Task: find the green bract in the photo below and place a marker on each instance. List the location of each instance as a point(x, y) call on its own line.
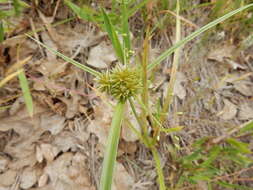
point(121, 82)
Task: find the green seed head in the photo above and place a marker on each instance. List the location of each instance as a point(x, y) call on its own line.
point(122, 82)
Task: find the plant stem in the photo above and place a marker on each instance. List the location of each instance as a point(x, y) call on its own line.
point(159, 169)
point(145, 71)
point(169, 95)
point(111, 148)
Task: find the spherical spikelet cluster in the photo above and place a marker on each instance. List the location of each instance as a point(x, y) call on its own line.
point(121, 82)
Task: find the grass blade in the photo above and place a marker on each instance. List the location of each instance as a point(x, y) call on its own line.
point(85, 12)
point(1, 32)
point(195, 34)
point(214, 153)
point(111, 148)
point(17, 7)
point(9, 77)
point(26, 92)
point(159, 169)
point(64, 57)
point(113, 37)
point(247, 127)
point(125, 27)
point(242, 147)
point(132, 11)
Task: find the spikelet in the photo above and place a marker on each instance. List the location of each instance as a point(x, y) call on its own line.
point(121, 82)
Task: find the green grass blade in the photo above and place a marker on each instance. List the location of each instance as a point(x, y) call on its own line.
point(17, 7)
point(64, 57)
point(242, 147)
point(85, 12)
point(1, 32)
point(113, 37)
point(214, 153)
point(26, 92)
point(125, 27)
point(247, 127)
point(159, 169)
point(195, 34)
point(233, 186)
point(111, 148)
point(172, 129)
point(133, 10)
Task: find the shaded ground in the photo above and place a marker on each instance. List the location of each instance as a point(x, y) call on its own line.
point(62, 146)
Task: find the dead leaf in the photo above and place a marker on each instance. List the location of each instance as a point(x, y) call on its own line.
point(245, 111)
point(179, 89)
point(72, 105)
point(127, 133)
point(16, 106)
point(52, 67)
point(122, 180)
point(49, 152)
point(65, 141)
point(28, 178)
point(69, 172)
point(4, 188)
point(43, 180)
point(101, 56)
point(101, 124)
point(39, 154)
point(49, 43)
point(8, 178)
point(244, 87)
point(229, 110)
point(222, 52)
point(53, 123)
point(128, 147)
point(3, 163)
point(24, 160)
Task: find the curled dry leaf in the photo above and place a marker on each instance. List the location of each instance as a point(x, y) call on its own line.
point(229, 110)
point(101, 56)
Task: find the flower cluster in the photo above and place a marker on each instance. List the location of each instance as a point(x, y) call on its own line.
point(121, 82)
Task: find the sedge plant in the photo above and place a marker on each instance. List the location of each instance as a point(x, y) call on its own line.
point(126, 83)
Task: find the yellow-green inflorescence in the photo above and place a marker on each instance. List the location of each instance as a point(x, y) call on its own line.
point(121, 82)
